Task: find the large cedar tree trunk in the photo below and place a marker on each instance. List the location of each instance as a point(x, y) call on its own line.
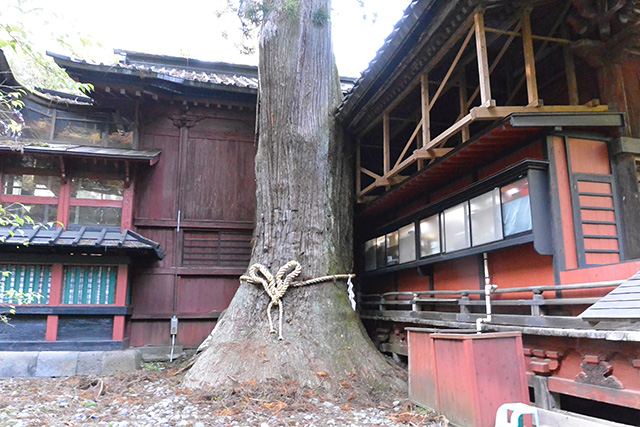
point(304, 213)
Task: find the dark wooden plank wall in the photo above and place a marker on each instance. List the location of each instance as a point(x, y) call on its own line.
point(206, 172)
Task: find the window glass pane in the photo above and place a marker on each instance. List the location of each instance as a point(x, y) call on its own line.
point(89, 215)
point(407, 236)
point(381, 261)
point(486, 222)
point(370, 255)
point(430, 236)
point(392, 248)
point(516, 209)
point(30, 185)
point(37, 123)
point(456, 228)
point(40, 214)
point(85, 188)
point(70, 130)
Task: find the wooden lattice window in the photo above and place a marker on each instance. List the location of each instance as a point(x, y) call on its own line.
point(26, 278)
point(92, 285)
point(217, 248)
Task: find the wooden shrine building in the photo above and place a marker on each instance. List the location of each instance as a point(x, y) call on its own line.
point(497, 145)
point(152, 179)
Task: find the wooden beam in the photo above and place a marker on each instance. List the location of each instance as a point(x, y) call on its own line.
point(572, 81)
point(426, 113)
point(359, 169)
point(501, 112)
point(465, 43)
point(464, 108)
point(408, 144)
point(533, 36)
point(483, 60)
point(386, 154)
point(432, 153)
point(453, 129)
point(529, 59)
point(542, 50)
point(451, 42)
point(369, 173)
point(426, 119)
point(402, 166)
point(495, 63)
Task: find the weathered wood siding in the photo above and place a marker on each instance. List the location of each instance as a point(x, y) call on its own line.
point(204, 184)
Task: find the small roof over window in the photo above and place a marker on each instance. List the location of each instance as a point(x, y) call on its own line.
point(42, 147)
point(86, 239)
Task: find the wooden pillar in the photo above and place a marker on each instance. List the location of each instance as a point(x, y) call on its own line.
point(118, 328)
point(52, 328)
point(386, 148)
point(127, 206)
point(544, 398)
point(55, 292)
point(64, 202)
point(529, 59)
point(55, 298)
point(358, 167)
point(120, 301)
point(386, 140)
point(426, 114)
point(464, 109)
point(572, 82)
point(483, 60)
point(121, 285)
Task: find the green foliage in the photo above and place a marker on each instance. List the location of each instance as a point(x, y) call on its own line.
point(291, 9)
point(12, 298)
point(29, 62)
point(320, 17)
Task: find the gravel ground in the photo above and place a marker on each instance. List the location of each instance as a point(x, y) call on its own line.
point(155, 398)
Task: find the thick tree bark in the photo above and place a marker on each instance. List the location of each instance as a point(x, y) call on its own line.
point(304, 213)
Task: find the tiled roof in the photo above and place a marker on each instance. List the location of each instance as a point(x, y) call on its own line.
point(173, 69)
point(91, 239)
point(623, 303)
point(203, 77)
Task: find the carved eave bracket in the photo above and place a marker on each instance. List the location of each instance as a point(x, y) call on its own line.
point(598, 372)
point(606, 28)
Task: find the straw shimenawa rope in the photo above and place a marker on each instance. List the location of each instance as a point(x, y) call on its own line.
point(276, 286)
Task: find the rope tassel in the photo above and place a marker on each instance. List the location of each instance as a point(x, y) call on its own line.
point(276, 286)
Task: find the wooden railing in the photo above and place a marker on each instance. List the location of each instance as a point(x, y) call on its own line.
point(464, 306)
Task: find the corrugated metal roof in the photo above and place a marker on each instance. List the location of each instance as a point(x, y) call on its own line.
point(92, 239)
point(46, 147)
point(623, 303)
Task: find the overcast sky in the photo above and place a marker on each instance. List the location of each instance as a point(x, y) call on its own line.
point(191, 28)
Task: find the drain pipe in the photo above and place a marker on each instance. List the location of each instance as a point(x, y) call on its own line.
point(488, 289)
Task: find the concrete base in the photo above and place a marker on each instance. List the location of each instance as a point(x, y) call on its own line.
point(160, 353)
point(32, 364)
